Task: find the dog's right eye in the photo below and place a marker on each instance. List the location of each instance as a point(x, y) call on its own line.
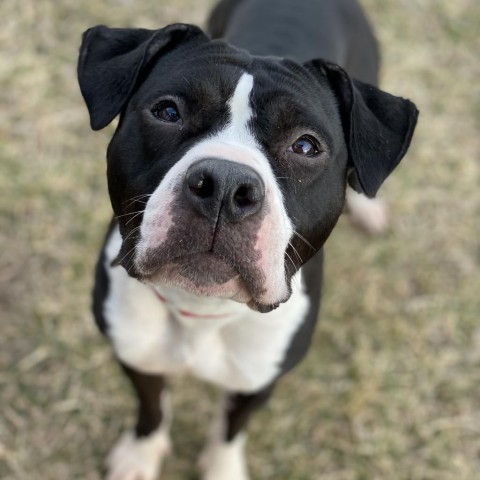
point(167, 112)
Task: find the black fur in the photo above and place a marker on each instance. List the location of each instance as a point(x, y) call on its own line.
point(335, 30)
point(113, 61)
point(149, 389)
point(240, 408)
point(101, 286)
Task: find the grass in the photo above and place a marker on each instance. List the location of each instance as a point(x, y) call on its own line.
point(391, 387)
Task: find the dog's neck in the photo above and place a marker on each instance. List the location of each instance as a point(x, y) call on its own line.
point(189, 308)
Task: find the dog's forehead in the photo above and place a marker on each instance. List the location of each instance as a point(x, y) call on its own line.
point(212, 66)
point(214, 69)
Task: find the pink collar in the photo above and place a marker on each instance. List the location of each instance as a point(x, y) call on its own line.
point(187, 314)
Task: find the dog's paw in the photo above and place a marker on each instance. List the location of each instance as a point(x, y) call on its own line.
point(224, 461)
point(137, 458)
point(369, 214)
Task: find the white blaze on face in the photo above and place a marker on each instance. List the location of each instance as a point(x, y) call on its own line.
point(236, 143)
point(240, 110)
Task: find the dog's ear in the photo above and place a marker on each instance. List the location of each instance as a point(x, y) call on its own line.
point(378, 127)
point(112, 62)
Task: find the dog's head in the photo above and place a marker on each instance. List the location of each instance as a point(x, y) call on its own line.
point(228, 171)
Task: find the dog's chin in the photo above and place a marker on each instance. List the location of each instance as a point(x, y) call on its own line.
point(202, 274)
point(206, 275)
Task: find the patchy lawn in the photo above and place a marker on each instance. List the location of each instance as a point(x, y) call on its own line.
point(391, 388)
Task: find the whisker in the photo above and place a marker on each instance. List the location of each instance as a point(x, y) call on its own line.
point(291, 261)
point(134, 217)
point(128, 253)
point(136, 199)
point(133, 231)
point(305, 240)
point(294, 278)
point(296, 252)
point(133, 254)
point(127, 214)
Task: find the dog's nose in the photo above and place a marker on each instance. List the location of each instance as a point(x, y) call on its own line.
point(217, 187)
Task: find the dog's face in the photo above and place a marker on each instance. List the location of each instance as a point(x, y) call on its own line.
point(220, 141)
point(227, 172)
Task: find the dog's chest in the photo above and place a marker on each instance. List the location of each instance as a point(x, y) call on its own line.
point(234, 347)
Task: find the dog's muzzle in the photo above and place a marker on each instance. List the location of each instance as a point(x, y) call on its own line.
point(215, 230)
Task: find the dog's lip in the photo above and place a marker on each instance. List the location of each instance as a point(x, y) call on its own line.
point(202, 274)
point(220, 265)
point(209, 263)
point(154, 274)
point(207, 255)
point(262, 308)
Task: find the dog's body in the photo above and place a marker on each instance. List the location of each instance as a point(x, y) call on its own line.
point(227, 173)
point(335, 30)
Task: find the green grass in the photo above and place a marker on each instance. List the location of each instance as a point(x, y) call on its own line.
point(391, 387)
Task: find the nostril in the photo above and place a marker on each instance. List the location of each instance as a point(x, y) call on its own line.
point(214, 187)
point(201, 186)
point(244, 196)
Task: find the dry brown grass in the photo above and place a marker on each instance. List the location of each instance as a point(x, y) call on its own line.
point(391, 388)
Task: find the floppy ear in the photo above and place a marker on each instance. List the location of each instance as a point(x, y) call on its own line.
point(112, 61)
point(378, 127)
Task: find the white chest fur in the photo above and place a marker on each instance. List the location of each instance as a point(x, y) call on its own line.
point(237, 348)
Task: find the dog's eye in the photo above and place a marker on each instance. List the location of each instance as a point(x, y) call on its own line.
point(306, 146)
point(167, 112)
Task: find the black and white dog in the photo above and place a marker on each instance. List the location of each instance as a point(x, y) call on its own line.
point(227, 172)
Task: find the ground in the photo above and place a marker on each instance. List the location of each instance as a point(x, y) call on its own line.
point(391, 387)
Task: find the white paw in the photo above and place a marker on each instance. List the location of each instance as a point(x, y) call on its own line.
point(138, 458)
point(369, 214)
point(224, 461)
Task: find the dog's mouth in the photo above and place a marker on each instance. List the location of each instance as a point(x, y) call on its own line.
point(204, 270)
point(201, 273)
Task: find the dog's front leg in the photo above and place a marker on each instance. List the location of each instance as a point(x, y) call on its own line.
point(224, 456)
point(139, 454)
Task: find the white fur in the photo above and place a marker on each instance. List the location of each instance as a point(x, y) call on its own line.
point(138, 323)
point(235, 143)
point(225, 461)
point(240, 109)
point(222, 460)
point(140, 458)
point(137, 458)
point(370, 214)
point(241, 351)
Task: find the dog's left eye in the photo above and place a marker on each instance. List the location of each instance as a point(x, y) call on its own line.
point(167, 112)
point(306, 146)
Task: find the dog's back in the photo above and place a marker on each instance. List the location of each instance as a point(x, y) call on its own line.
point(336, 30)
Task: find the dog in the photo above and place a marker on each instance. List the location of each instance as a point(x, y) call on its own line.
point(227, 172)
